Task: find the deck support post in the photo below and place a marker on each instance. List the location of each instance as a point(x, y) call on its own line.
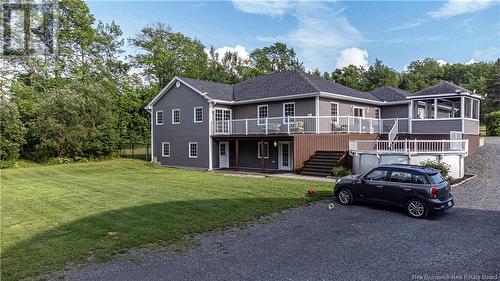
point(237, 155)
point(262, 158)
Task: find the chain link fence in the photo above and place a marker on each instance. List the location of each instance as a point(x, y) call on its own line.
point(134, 150)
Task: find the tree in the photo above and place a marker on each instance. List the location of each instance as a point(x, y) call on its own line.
point(75, 120)
point(166, 54)
point(351, 76)
point(277, 57)
point(11, 131)
point(492, 101)
point(379, 75)
point(421, 74)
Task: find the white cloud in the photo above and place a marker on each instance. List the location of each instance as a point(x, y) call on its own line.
point(489, 54)
point(422, 39)
point(441, 62)
point(471, 61)
point(458, 7)
point(240, 50)
point(321, 33)
point(354, 56)
point(406, 25)
point(270, 8)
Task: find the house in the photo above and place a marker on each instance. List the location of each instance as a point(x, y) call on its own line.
point(284, 120)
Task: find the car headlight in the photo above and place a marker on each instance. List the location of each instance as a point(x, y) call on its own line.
point(338, 180)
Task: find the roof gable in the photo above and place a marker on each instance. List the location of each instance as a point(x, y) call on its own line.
point(443, 87)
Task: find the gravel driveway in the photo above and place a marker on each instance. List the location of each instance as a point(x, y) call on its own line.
point(358, 242)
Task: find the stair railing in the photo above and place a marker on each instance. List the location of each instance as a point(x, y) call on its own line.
point(393, 132)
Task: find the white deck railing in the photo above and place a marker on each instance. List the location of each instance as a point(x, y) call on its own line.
point(307, 125)
point(409, 146)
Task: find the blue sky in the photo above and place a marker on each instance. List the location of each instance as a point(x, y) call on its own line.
point(330, 34)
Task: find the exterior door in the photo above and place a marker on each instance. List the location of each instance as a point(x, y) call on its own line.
point(285, 158)
point(454, 135)
point(223, 154)
point(222, 121)
point(372, 185)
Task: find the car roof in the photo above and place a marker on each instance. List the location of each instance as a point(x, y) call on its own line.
point(411, 168)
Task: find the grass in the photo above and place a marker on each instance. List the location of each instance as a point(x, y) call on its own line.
point(55, 216)
point(482, 130)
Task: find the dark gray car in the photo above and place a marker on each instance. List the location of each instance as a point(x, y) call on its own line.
point(420, 190)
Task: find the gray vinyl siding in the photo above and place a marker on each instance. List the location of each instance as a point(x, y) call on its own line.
point(436, 126)
point(179, 135)
point(303, 107)
point(394, 111)
point(345, 107)
point(471, 126)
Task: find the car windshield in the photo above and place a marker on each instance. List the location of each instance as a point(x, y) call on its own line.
point(437, 178)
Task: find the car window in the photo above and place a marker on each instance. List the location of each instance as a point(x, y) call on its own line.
point(397, 176)
point(437, 178)
point(377, 175)
point(419, 179)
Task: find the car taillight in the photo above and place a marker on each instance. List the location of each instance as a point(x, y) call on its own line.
point(434, 192)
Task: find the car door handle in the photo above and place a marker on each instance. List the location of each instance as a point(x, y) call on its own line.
point(379, 186)
point(407, 189)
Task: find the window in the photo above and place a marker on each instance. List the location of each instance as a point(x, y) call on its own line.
point(159, 117)
point(288, 111)
point(198, 114)
point(266, 150)
point(468, 108)
point(377, 175)
point(334, 111)
point(176, 116)
point(222, 120)
point(475, 109)
point(398, 176)
point(359, 112)
point(437, 178)
point(419, 179)
point(261, 114)
point(165, 149)
point(193, 150)
point(377, 113)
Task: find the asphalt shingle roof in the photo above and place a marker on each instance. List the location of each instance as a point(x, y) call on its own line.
point(277, 84)
point(443, 87)
point(294, 82)
point(389, 94)
point(214, 90)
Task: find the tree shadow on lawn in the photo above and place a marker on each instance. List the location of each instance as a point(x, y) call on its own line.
point(102, 235)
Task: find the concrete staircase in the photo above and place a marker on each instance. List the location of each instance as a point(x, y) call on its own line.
point(322, 163)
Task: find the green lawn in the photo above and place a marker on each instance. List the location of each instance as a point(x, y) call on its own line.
point(60, 215)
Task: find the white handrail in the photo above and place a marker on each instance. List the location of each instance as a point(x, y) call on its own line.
point(410, 146)
point(302, 125)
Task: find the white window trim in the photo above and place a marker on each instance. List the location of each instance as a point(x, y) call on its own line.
point(194, 114)
point(285, 119)
point(338, 109)
point(163, 149)
point(173, 110)
point(258, 150)
point(189, 149)
point(362, 111)
point(162, 117)
point(379, 112)
point(258, 114)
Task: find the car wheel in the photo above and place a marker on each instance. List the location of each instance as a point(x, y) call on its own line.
point(345, 196)
point(417, 208)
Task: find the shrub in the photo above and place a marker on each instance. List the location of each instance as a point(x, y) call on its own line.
point(492, 121)
point(59, 160)
point(442, 167)
point(340, 171)
point(12, 131)
point(5, 164)
point(299, 169)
